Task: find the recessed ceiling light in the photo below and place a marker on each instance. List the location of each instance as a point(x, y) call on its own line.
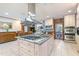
point(29, 12)
point(69, 11)
point(47, 16)
point(6, 13)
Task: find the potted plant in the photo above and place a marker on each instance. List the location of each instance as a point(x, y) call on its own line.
point(6, 26)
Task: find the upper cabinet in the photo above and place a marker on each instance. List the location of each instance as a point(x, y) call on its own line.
point(49, 22)
point(69, 20)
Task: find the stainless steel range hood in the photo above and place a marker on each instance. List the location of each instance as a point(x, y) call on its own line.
point(27, 22)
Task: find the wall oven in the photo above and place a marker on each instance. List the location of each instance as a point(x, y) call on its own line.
point(69, 37)
point(69, 29)
point(69, 33)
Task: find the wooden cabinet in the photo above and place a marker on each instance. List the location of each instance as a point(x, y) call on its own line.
point(7, 36)
point(24, 33)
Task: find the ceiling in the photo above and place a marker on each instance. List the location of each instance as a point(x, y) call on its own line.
point(14, 10)
point(55, 10)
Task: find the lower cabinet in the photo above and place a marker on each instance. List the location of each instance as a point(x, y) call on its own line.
point(41, 50)
point(50, 45)
point(7, 36)
point(45, 48)
point(30, 49)
point(26, 48)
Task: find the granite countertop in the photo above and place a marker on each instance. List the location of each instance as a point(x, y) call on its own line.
point(39, 41)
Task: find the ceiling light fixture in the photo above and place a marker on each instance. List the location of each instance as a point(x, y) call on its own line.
point(47, 16)
point(69, 11)
point(6, 13)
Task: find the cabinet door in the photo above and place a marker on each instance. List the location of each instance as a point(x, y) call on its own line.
point(44, 49)
point(72, 20)
point(69, 20)
point(37, 50)
point(27, 52)
point(50, 45)
point(26, 48)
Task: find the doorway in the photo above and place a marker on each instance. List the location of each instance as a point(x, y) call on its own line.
point(59, 29)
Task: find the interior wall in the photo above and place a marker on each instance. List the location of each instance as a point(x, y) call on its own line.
point(16, 25)
point(6, 20)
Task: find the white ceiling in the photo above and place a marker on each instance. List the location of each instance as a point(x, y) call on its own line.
point(15, 10)
point(55, 10)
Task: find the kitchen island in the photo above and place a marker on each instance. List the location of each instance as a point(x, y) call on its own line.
point(35, 47)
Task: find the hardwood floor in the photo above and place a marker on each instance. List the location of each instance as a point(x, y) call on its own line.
point(61, 48)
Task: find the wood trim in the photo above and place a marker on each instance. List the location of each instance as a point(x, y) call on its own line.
point(59, 21)
point(22, 28)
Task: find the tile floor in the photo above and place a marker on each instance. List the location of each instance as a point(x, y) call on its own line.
point(64, 48)
point(61, 48)
point(9, 49)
